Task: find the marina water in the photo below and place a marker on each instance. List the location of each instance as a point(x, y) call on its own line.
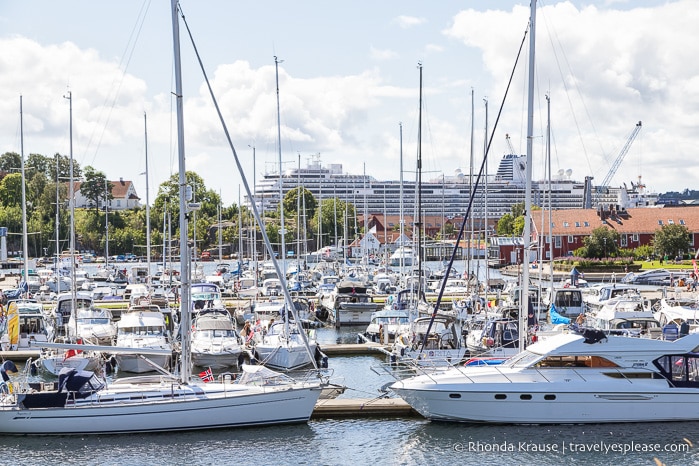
point(351, 441)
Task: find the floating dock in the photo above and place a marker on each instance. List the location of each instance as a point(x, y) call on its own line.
point(19, 356)
point(362, 407)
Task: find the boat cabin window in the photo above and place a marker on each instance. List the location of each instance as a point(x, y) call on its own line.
point(681, 370)
point(523, 359)
point(575, 361)
point(568, 298)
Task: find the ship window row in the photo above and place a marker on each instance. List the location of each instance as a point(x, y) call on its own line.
point(503, 396)
point(575, 361)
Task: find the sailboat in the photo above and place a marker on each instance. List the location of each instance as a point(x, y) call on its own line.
point(84, 404)
point(457, 394)
point(442, 343)
point(284, 347)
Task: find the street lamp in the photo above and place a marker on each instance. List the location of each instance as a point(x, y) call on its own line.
point(605, 247)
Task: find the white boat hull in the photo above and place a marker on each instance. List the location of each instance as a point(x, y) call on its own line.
point(136, 364)
point(216, 360)
point(555, 405)
point(54, 364)
point(355, 313)
point(285, 357)
point(195, 406)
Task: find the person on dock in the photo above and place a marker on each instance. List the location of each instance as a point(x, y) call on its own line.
point(246, 332)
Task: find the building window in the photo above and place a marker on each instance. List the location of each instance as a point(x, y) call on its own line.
point(660, 222)
point(681, 222)
point(623, 240)
point(670, 222)
point(571, 239)
point(557, 242)
point(565, 225)
point(577, 224)
point(634, 237)
point(587, 224)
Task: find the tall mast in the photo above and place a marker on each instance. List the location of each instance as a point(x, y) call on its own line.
point(282, 225)
point(25, 247)
point(58, 225)
point(184, 193)
point(418, 224)
point(469, 254)
point(71, 198)
point(485, 200)
point(106, 222)
point(548, 160)
point(524, 289)
point(401, 221)
point(145, 127)
point(220, 233)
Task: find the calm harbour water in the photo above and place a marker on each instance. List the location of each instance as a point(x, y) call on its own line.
point(400, 441)
point(391, 441)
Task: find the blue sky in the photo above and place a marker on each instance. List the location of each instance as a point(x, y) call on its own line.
point(349, 76)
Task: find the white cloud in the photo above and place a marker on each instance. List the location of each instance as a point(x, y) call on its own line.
point(409, 21)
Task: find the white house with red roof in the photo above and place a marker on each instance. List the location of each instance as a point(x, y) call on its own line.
point(124, 196)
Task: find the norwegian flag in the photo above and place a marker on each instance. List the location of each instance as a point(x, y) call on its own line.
point(207, 376)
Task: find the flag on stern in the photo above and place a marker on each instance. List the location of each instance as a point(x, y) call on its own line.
point(207, 375)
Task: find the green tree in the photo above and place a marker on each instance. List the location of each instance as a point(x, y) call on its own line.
point(332, 214)
point(11, 190)
point(506, 225)
point(517, 209)
point(292, 204)
point(603, 242)
point(96, 188)
point(671, 240)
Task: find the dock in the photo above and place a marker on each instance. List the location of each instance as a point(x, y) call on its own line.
point(19, 356)
point(353, 349)
point(362, 407)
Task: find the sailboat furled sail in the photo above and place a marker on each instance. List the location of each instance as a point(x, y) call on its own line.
point(84, 404)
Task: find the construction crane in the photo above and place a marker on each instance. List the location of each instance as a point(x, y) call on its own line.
point(509, 144)
point(619, 158)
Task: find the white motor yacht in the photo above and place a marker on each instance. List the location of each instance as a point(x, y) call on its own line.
point(215, 342)
point(568, 378)
point(143, 327)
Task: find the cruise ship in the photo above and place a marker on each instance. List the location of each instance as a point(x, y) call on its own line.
point(446, 196)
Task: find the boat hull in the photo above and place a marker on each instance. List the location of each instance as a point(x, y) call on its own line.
point(565, 402)
point(138, 365)
point(183, 408)
point(286, 358)
point(216, 360)
point(355, 313)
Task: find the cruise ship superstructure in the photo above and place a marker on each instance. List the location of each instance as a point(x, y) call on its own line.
point(447, 195)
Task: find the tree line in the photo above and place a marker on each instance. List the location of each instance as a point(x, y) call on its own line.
point(47, 192)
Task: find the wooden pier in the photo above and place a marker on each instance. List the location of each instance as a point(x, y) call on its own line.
point(362, 407)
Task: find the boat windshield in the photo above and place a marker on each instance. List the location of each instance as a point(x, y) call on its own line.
point(93, 320)
point(149, 330)
point(523, 359)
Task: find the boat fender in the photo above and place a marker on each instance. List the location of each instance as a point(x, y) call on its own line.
point(393, 357)
point(324, 362)
point(402, 352)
